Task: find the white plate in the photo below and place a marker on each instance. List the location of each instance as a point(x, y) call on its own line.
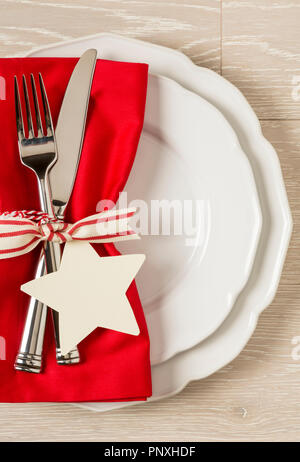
point(227, 342)
point(191, 280)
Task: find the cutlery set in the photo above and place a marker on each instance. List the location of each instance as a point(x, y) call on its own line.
point(71, 128)
point(54, 157)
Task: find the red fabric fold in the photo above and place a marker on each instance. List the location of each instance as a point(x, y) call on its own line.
point(114, 366)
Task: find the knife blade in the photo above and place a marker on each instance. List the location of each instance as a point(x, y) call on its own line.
point(69, 135)
point(70, 129)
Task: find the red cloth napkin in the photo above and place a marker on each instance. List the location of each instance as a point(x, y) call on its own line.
point(114, 366)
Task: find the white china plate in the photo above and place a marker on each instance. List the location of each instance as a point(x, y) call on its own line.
point(227, 342)
point(190, 281)
point(181, 159)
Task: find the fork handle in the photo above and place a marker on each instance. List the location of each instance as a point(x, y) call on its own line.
point(29, 358)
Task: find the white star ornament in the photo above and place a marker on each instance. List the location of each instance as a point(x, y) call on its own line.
point(88, 291)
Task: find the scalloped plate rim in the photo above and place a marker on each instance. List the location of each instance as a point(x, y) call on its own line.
point(253, 125)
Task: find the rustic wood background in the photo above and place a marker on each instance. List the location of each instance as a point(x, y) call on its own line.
point(256, 45)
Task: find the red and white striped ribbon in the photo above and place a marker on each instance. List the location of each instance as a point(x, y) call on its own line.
point(21, 232)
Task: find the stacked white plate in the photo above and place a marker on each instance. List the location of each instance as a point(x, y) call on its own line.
point(201, 143)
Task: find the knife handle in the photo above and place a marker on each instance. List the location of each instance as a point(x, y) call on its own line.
point(73, 356)
point(53, 257)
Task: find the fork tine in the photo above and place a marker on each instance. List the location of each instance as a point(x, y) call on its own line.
point(27, 106)
point(36, 107)
point(48, 119)
point(19, 117)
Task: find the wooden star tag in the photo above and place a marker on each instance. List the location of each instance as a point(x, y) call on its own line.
point(88, 291)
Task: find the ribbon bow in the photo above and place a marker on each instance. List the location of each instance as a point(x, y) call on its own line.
point(21, 232)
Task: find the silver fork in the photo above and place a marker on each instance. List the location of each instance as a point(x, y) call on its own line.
point(39, 154)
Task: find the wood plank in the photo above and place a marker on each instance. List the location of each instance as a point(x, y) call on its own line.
point(260, 54)
point(192, 26)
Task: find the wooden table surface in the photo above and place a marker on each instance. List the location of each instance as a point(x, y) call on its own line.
point(256, 45)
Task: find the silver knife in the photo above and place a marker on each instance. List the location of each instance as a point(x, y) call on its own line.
point(69, 134)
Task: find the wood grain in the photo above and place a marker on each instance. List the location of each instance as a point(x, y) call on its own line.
point(256, 397)
point(261, 55)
